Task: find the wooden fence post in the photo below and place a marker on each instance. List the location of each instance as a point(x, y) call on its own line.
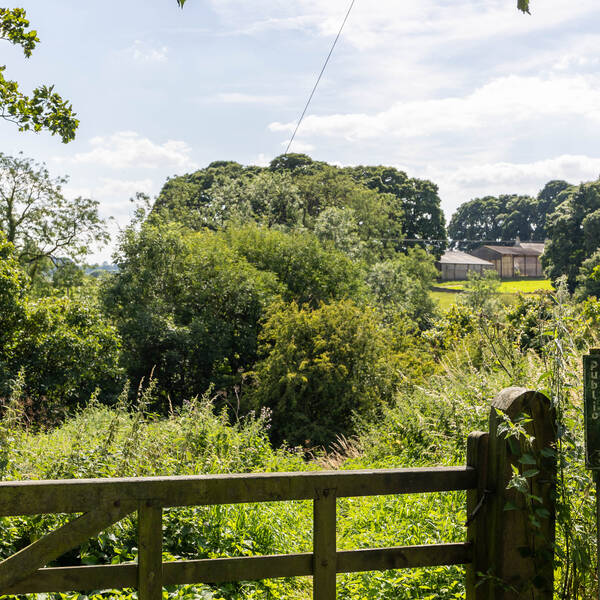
point(149, 551)
point(324, 545)
point(513, 529)
point(477, 456)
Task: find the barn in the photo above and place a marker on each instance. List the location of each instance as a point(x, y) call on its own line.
point(456, 265)
point(520, 260)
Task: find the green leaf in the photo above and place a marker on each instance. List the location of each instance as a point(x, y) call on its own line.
point(523, 6)
point(527, 459)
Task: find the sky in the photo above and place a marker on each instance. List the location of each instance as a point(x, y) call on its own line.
point(471, 94)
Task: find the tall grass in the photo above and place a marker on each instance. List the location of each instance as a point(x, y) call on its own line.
point(426, 425)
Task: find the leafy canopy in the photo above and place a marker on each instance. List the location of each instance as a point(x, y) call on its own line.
point(187, 306)
point(573, 231)
point(364, 211)
point(44, 108)
point(39, 220)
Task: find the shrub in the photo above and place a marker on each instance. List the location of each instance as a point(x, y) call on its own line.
point(321, 368)
point(66, 350)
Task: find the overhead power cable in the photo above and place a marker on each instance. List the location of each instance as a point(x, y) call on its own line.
point(337, 37)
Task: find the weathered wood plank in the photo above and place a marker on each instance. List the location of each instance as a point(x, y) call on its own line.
point(72, 579)
point(150, 551)
point(253, 568)
point(519, 554)
point(51, 546)
point(477, 456)
point(403, 557)
point(77, 495)
point(324, 545)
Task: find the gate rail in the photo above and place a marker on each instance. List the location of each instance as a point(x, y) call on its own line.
point(103, 502)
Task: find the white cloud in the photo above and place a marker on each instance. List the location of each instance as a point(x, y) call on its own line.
point(143, 52)
point(298, 146)
point(529, 176)
point(379, 23)
point(462, 183)
point(128, 149)
point(262, 160)
point(113, 194)
point(240, 98)
point(499, 104)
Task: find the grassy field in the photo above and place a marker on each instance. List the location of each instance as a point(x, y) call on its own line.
point(445, 299)
point(509, 288)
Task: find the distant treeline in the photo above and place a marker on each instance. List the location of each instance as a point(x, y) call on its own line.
point(566, 216)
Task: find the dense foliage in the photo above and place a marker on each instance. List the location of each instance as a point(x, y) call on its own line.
point(322, 368)
point(375, 206)
point(277, 319)
point(574, 232)
point(44, 109)
point(44, 226)
point(505, 218)
point(188, 307)
point(422, 425)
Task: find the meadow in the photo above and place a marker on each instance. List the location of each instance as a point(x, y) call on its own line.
point(425, 424)
point(447, 293)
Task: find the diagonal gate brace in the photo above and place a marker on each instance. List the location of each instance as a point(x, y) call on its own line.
point(48, 548)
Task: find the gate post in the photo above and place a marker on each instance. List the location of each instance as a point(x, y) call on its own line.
point(512, 513)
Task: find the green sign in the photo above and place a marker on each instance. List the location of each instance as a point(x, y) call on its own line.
point(591, 395)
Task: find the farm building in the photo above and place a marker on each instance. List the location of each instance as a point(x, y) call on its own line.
point(456, 265)
point(520, 260)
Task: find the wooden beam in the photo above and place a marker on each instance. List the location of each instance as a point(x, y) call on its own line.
point(253, 568)
point(324, 542)
point(150, 551)
point(477, 457)
point(77, 495)
point(43, 551)
point(519, 552)
point(72, 579)
point(403, 557)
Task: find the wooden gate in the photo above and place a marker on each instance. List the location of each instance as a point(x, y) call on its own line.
point(497, 565)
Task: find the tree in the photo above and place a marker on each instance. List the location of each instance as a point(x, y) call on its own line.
point(573, 231)
point(415, 208)
point(321, 368)
point(187, 307)
point(402, 285)
point(588, 280)
point(66, 350)
point(39, 221)
point(310, 272)
point(291, 194)
point(548, 201)
point(44, 109)
point(504, 218)
point(491, 219)
point(13, 285)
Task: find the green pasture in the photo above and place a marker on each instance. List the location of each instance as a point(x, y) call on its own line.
point(447, 293)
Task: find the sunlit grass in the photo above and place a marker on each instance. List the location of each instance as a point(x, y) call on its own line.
point(508, 289)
